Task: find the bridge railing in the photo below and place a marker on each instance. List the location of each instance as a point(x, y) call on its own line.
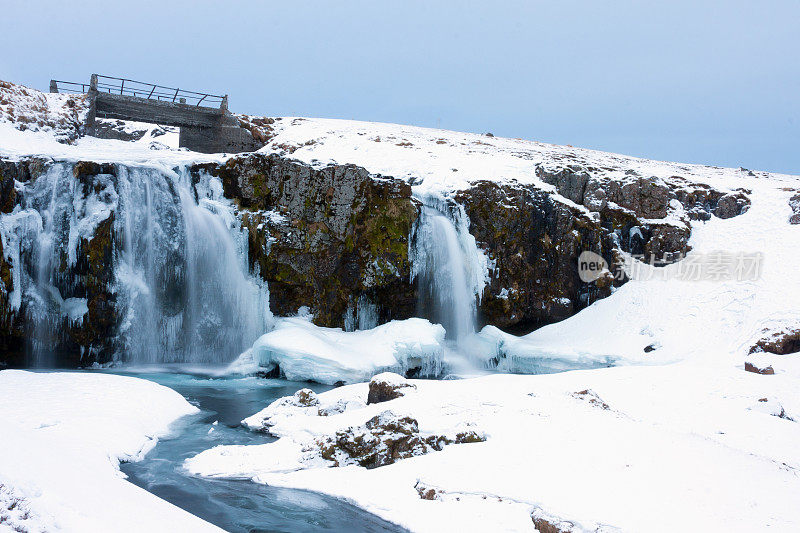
point(139, 89)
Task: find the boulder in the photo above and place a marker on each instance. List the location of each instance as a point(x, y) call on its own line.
point(731, 205)
point(781, 342)
point(767, 371)
point(794, 203)
point(305, 398)
point(388, 386)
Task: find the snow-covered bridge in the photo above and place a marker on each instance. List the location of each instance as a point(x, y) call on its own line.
point(205, 123)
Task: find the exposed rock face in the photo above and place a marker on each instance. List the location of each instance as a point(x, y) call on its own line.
point(324, 237)
point(731, 205)
point(534, 238)
point(385, 439)
point(336, 239)
point(646, 197)
point(534, 241)
point(388, 386)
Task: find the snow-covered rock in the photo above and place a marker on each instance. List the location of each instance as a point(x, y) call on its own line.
point(61, 116)
point(388, 386)
point(303, 351)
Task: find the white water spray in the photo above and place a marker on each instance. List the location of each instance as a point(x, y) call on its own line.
point(182, 276)
point(449, 269)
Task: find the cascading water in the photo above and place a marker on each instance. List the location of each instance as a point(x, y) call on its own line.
point(448, 267)
point(178, 273)
point(182, 273)
point(39, 243)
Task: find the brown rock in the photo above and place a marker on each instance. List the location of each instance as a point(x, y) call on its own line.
point(388, 386)
point(781, 342)
point(767, 371)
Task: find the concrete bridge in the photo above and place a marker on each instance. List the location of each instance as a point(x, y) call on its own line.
point(205, 123)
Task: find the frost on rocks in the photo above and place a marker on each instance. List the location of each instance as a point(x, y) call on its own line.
point(303, 403)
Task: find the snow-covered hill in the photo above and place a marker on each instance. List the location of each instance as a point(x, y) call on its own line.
point(444, 161)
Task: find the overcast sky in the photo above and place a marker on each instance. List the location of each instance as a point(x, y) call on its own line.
point(695, 81)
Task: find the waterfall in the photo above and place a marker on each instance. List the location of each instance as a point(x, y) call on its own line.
point(182, 273)
point(178, 271)
point(448, 267)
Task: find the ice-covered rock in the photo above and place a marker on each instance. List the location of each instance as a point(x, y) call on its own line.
point(303, 351)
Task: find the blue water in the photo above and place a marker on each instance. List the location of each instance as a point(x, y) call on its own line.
point(235, 505)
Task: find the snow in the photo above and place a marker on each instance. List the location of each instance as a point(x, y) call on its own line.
point(304, 351)
point(678, 444)
point(64, 435)
point(16, 144)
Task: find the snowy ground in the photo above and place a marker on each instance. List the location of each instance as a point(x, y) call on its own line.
point(642, 449)
point(63, 437)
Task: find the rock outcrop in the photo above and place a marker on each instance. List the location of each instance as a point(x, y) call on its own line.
point(324, 237)
point(781, 341)
point(534, 240)
point(385, 439)
point(794, 203)
point(766, 371)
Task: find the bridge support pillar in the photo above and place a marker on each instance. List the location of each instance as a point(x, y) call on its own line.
point(223, 138)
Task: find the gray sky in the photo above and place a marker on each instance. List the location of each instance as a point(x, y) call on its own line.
point(695, 81)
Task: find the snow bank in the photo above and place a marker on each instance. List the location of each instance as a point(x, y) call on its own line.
point(63, 437)
point(632, 448)
point(304, 351)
